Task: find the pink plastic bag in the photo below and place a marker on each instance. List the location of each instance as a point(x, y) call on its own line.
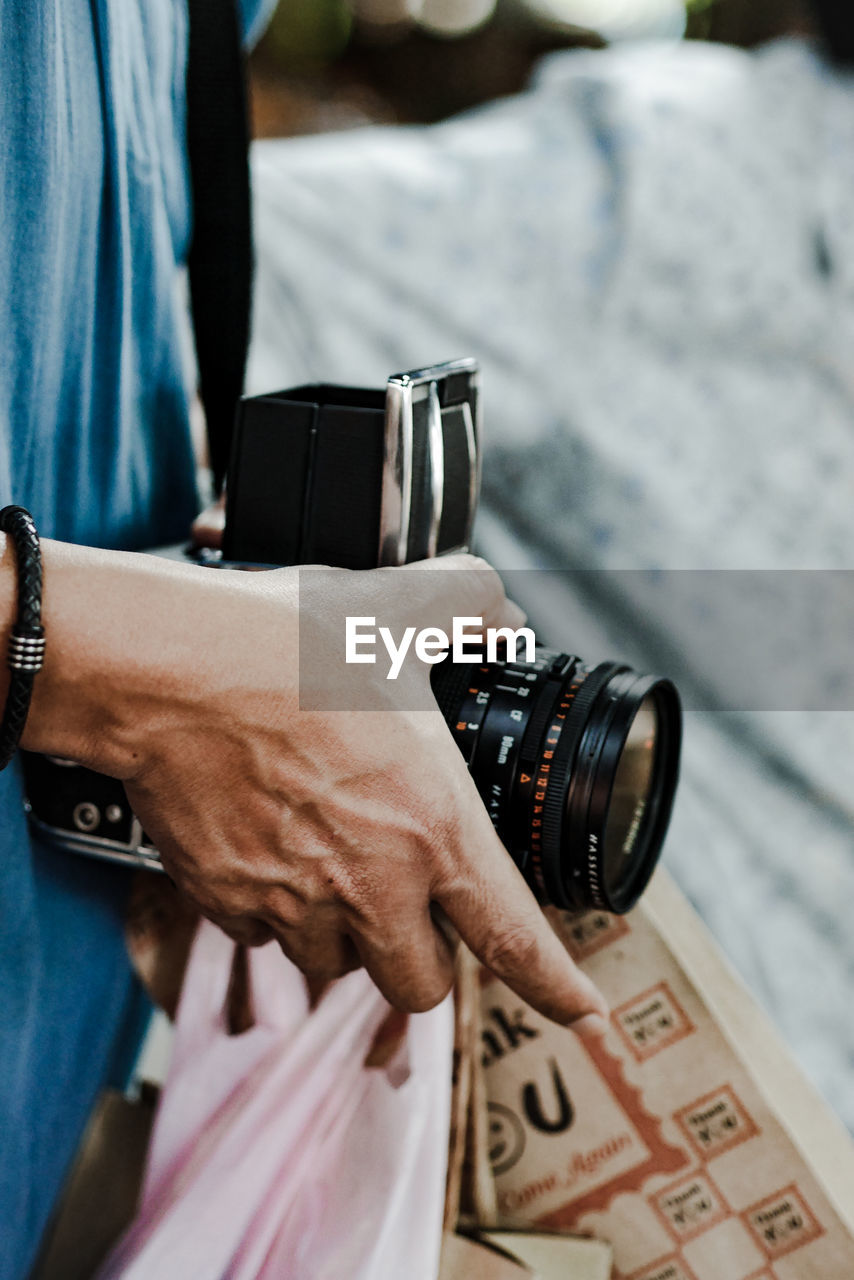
point(276, 1153)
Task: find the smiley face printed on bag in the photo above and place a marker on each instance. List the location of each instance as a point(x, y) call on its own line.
point(506, 1138)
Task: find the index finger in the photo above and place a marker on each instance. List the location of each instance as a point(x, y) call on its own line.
point(487, 900)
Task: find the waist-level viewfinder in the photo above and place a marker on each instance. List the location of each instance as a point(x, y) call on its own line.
point(356, 478)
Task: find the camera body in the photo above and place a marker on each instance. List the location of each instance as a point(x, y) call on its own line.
point(355, 478)
point(319, 474)
point(576, 762)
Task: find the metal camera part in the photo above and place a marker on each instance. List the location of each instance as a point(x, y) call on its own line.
point(81, 811)
point(431, 462)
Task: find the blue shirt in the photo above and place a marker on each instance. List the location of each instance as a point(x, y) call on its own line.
point(94, 439)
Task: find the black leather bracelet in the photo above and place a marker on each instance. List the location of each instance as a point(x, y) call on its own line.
point(26, 641)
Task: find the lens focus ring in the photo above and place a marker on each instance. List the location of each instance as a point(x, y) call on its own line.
point(550, 748)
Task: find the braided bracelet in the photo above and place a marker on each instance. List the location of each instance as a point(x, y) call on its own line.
point(26, 641)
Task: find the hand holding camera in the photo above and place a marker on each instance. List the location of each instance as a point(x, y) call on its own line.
point(337, 831)
point(334, 832)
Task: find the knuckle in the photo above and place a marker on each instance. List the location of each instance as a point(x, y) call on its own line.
point(466, 560)
point(283, 909)
point(247, 932)
point(487, 580)
point(427, 994)
point(258, 933)
point(291, 945)
point(321, 968)
point(339, 882)
point(510, 949)
point(436, 841)
point(290, 950)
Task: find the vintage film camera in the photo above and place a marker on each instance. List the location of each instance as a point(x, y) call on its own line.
point(576, 762)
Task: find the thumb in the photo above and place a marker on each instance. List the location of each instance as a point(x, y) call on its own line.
point(458, 586)
point(207, 528)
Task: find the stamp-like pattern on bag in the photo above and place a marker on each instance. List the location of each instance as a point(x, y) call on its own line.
point(690, 1206)
point(591, 932)
point(652, 1021)
point(782, 1222)
point(716, 1123)
point(673, 1267)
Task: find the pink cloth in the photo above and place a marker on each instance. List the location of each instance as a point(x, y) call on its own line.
point(276, 1153)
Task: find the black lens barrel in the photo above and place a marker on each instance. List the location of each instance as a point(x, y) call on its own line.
point(569, 881)
point(544, 741)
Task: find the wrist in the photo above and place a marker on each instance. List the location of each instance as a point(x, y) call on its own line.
point(78, 709)
point(8, 597)
point(135, 646)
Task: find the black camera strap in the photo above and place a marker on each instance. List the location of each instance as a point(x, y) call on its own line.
point(220, 259)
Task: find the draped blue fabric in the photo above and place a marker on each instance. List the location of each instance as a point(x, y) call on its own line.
point(94, 439)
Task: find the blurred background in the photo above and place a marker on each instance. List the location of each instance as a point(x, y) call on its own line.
point(332, 64)
point(644, 231)
point(639, 216)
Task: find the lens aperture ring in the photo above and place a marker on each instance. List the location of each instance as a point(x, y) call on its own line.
point(546, 871)
point(540, 718)
point(470, 717)
point(515, 693)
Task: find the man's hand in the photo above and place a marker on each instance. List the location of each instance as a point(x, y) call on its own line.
point(342, 834)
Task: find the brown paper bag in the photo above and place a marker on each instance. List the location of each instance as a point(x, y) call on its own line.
point(464, 1259)
point(685, 1137)
point(100, 1196)
point(517, 1256)
point(555, 1257)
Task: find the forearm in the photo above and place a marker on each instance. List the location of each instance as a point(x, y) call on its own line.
point(127, 641)
point(7, 608)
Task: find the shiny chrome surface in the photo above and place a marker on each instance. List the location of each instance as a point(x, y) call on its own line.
point(133, 854)
point(403, 391)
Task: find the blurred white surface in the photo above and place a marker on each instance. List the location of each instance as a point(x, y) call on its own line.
point(652, 255)
point(616, 19)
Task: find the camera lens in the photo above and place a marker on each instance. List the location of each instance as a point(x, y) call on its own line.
point(630, 794)
point(577, 766)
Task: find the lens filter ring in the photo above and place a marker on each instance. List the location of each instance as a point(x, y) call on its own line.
point(558, 777)
point(576, 765)
point(591, 811)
